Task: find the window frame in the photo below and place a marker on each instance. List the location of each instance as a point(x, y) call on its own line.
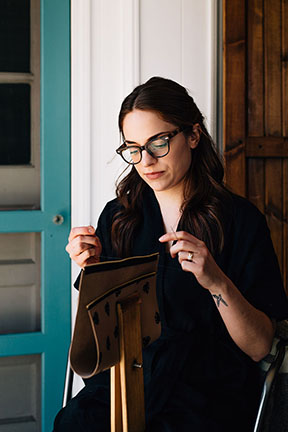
point(28, 174)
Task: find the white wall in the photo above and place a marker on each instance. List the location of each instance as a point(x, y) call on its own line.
point(177, 41)
point(117, 44)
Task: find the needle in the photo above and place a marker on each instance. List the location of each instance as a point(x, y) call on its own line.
point(174, 232)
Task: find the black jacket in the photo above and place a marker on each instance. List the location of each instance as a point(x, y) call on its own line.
point(196, 377)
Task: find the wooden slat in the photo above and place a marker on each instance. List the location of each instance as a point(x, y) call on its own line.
point(273, 204)
point(234, 46)
point(115, 397)
point(267, 147)
point(235, 169)
point(285, 224)
point(285, 68)
point(256, 183)
point(273, 114)
point(273, 121)
point(131, 378)
point(255, 68)
point(285, 133)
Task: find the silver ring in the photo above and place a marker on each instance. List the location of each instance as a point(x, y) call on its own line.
point(190, 256)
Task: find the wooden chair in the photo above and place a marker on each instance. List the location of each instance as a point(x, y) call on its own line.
point(127, 383)
point(273, 409)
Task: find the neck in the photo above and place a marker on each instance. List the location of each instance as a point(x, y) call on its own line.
point(170, 199)
point(170, 204)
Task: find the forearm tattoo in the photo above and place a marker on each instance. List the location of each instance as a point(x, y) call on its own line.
point(219, 299)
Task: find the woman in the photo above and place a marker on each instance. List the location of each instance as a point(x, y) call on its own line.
point(218, 285)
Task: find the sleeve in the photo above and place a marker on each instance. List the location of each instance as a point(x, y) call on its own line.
point(257, 273)
point(103, 231)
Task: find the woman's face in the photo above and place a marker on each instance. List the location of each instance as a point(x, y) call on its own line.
point(168, 172)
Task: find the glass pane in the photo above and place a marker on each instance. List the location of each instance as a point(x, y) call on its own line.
point(20, 396)
point(20, 303)
point(15, 124)
point(14, 36)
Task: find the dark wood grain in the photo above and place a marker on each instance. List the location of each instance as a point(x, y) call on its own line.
point(255, 67)
point(256, 182)
point(255, 124)
point(273, 204)
point(272, 26)
point(234, 51)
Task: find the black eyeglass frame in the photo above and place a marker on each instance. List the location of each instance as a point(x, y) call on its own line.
point(167, 137)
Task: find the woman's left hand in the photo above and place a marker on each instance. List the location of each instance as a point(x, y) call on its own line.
point(249, 327)
point(194, 257)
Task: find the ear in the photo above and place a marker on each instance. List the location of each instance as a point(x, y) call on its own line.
point(194, 138)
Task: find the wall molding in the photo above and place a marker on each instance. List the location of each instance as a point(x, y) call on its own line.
point(130, 17)
point(80, 111)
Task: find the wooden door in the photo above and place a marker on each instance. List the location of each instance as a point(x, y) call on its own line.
point(255, 139)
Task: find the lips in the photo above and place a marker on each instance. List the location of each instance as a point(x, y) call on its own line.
point(154, 175)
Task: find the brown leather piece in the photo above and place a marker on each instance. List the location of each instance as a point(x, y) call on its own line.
point(95, 341)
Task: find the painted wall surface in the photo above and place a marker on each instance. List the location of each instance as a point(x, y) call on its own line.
point(117, 44)
point(178, 42)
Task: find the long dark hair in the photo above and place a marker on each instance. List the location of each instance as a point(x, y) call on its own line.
point(204, 192)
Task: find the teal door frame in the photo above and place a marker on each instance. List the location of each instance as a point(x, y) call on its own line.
point(52, 341)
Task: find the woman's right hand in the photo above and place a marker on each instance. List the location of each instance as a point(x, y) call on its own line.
point(84, 246)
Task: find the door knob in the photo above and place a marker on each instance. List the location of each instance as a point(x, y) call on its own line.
point(58, 219)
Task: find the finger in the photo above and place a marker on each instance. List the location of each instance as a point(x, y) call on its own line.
point(84, 257)
point(79, 253)
point(90, 240)
point(180, 235)
point(83, 248)
point(185, 256)
point(81, 243)
point(188, 266)
point(93, 260)
point(183, 245)
point(76, 248)
point(83, 230)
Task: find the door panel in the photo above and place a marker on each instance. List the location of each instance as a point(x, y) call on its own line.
point(255, 113)
point(20, 283)
point(20, 398)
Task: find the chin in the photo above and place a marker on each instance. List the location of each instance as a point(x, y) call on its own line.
point(158, 188)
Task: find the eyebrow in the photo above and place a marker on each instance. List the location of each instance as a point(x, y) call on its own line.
point(149, 139)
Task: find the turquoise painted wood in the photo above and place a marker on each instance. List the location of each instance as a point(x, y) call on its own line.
point(53, 340)
point(55, 136)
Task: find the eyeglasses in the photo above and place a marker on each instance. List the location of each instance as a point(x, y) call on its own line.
point(157, 147)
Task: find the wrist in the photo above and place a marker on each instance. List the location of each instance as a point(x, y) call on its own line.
point(222, 288)
point(220, 294)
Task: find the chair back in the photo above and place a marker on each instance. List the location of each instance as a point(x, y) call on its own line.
point(273, 410)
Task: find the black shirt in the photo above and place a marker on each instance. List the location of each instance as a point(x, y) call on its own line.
point(195, 369)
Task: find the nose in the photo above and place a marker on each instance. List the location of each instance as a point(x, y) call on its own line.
point(147, 159)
